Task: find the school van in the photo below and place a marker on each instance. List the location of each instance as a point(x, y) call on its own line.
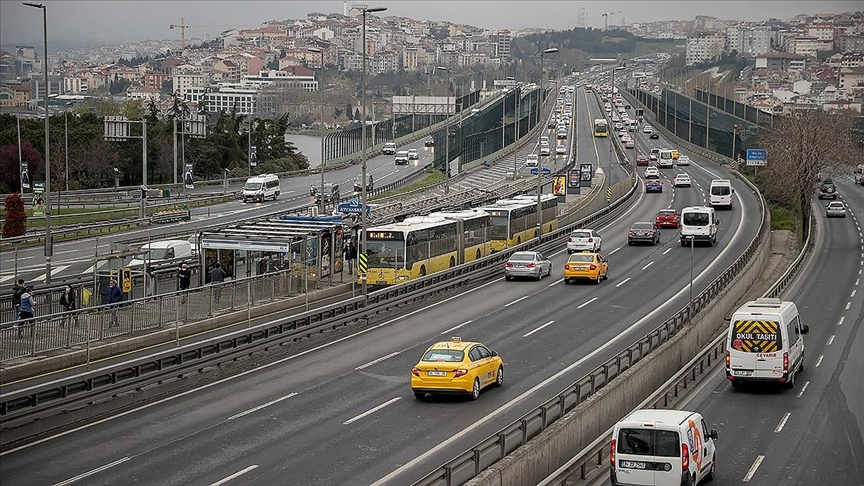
point(665, 160)
point(261, 187)
point(765, 343)
point(721, 194)
point(699, 224)
point(662, 448)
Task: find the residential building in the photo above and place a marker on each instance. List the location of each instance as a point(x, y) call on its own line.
point(75, 84)
point(187, 77)
point(293, 77)
point(12, 95)
point(851, 78)
point(704, 47)
point(808, 46)
point(225, 97)
point(780, 61)
point(142, 93)
point(155, 80)
point(821, 31)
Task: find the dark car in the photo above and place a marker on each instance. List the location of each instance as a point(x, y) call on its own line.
point(551, 124)
point(643, 232)
point(653, 185)
point(827, 190)
point(654, 135)
point(429, 142)
point(642, 160)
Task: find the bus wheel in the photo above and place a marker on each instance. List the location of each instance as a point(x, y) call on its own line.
point(518, 240)
point(452, 262)
point(423, 271)
point(478, 255)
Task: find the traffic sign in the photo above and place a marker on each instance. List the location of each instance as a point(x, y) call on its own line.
point(364, 263)
point(126, 281)
point(757, 157)
point(545, 171)
point(609, 193)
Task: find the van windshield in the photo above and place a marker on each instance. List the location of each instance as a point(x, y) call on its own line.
point(695, 219)
point(720, 190)
point(648, 442)
point(161, 253)
point(252, 186)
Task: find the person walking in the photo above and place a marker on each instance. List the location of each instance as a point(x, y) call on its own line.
point(67, 300)
point(217, 278)
point(350, 254)
point(17, 290)
point(184, 278)
point(114, 296)
point(26, 311)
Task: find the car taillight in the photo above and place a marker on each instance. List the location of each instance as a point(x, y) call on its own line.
point(785, 362)
point(685, 457)
point(612, 453)
point(415, 371)
point(728, 359)
point(567, 267)
point(569, 240)
point(508, 265)
point(531, 265)
point(593, 267)
point(590, 240)
point(461, 373)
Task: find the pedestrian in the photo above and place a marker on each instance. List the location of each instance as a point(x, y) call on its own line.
point(350, 254)
point(184, 278)
point(27, 308)
point(17, 290)
point(114, 296)
point(67, 300)
point(217, 278)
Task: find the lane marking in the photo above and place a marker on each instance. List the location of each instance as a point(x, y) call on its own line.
point(535, 330)
point(830, 340)
point(853, 293)
point(515, 301)
point(782, 423)
point(556, 282)
point(376, 361)
point(456, 327)
point(819, 361)
point(857, 281)
point(622, 282)
point(840, 322)
point(753, 468)
point(235, 475)
point(263, 405)
point(667, 251)
point(803, 388)
point(369, 412)
point(646, 266)
point(92, 472)
point(586, 303)
point(616, 249)
point(848, 305)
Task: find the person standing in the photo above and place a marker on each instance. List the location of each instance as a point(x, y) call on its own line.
point(217, 278)
point(17, 290)
point(184, 278)
point(27, 309)
point(350, 254)
point(114, 296)
point(67, 300)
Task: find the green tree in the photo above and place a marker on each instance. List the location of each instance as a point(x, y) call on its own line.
point(15, 223)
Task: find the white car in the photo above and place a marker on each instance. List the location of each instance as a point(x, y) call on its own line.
point(615, 119)
point(545, 150)
point(652, 173)
point(560, 150)
point(629, 144)
point(647, 129)
point(683, 160)
point(682, 180)
point(619, 127)
point(531, 160)
point(583, 239)
point(835, 209)
point(413, 154)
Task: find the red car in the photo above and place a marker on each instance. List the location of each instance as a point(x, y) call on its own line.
point(667, 218)
point(642, 160)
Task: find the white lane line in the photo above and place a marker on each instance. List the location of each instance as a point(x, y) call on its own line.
point(848, 305)
point(369, 412)
point(622, 282)
point(376, 361)
point(803, 388)
point(819, 361)
point(456, 327)
point(857, 281)
point(859, 272)
point(840, 322)
point(782, 423)
point(753, 468)
point(667, 250)
point(853, 293)
point(94, 471)
point(556, 282)
point(586, 303)
point(517, 300)
point(4, 278)
point(830, 340)
point(646, 266)
point(235, 475)
point(263, 405)
point(535, 330)
point(616, 249)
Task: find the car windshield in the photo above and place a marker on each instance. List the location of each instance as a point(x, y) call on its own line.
point(642, 226)
point(445, 355)
point(252, 186)
point(581, 258)
point(161, 253)
point(648, 442)
point(695, 219)
point(521, 257)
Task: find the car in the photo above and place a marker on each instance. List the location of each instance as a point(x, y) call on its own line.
point(642, 160)
point(675, 154)
point(401, 157)
point(827, 190)
point(527, 264)
point(654, 135)
point(545, 150)
point(615, 119)
point(682, 180)
point(544, 140)
point(551, 123)
point(683, 160)
point(629, 144)
point(531, 160)
point(653, 159)
point(667, 218)
point(652, 172)
point(643, 232)
point(370, 183)
point(619, 127)
point(413, 154)
point(587, 265)
point(655, 151)
point(456, 367)
point(584, 239)
point(429, 142)
point(389, 148)
point(625, 137)
point(653, 185)
point(835, 209)
point(560, 150)
point(627, 107)
point(561, 133)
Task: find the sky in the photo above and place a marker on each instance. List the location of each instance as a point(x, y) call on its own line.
point(119, 21)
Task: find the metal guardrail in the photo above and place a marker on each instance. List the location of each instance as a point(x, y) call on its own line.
point(470, 463)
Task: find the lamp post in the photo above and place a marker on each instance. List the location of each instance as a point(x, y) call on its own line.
point(364, 10)
point(321, 100)
point(446, 130)
point(66, 130)
point(49, 248)
point(543, 53)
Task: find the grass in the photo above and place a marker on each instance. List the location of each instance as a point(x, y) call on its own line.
point(643, 48)
point(433, 178)
point(783, 218)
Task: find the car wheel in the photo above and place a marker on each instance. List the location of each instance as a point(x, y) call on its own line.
point(549, 273)
point(801, 366)
point(599, 277)
point(276, 196)
point(507, 277)
point(790, 383)
point(423, 271)
point(419, 395)
point(630, 242)
point(475, 390)
point(712, 473)
point(566, 281)
point(499, 379)
point(539, 274)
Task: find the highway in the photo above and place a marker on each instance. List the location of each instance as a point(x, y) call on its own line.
point(343, 413)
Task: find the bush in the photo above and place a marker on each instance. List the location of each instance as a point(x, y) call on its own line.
point(15, 223)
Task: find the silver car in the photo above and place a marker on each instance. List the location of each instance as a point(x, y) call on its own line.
point(835, 209)
point(527, 264)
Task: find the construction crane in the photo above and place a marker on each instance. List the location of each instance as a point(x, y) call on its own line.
point(182, 26)
point(606, 18)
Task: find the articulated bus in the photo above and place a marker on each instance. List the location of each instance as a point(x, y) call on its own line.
point(515, 220)
point(601, 129)
point(421, 245)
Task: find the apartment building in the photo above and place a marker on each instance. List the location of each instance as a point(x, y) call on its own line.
point(225, 97)
point(704, 47)
point(187, 77)
point(780, 61)
point(851, 78)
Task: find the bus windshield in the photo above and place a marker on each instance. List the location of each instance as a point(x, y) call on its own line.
point(386, 253)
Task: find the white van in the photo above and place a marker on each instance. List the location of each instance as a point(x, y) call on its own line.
point(765, 343)
point(666, 159)
point(662, 447)
point(698, 223)
point(389, 148)
point(162, 251)
point(260, 187)
point(721, 194)
point(531, 160)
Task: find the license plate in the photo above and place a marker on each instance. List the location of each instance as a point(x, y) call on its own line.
point(436, 373)
point(381, 282)
point(742, 372)
point(634, 465)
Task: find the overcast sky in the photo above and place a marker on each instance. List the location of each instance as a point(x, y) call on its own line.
point(115, 22)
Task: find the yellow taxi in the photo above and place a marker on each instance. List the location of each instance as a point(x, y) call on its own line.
point(457, 366)
point(675, 154)
point(586, 265)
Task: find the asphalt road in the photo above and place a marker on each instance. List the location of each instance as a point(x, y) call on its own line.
point(344, 413)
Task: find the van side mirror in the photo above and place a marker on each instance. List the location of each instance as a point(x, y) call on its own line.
point(805, 329)
point(713, 434)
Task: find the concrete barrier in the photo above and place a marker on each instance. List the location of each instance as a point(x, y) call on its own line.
point(565, 438)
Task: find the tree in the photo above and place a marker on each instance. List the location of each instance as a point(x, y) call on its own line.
point(10, 175)
point(15, 223)
point(802, 149)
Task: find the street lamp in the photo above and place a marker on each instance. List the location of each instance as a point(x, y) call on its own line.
point(550, 50)
point(364, 10)
point(49, 249)
point(446, 130)
point(321, 94)
point(66, 130)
